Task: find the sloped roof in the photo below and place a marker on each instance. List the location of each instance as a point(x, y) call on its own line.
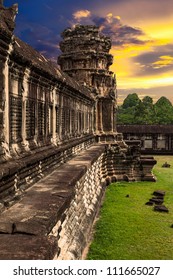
point(30, 56)
point(7, 16)
point(145, 129)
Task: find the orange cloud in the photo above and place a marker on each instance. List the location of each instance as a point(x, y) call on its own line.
point(81, 14)
point(165, 60)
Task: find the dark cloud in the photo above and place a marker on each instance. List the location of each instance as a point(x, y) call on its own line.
point(98, 20)
point(122, 35)
point(157, 61)
point(42, 38)
point(41, 21)
point(113, 27)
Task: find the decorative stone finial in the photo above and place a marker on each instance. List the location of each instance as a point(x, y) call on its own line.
point(14, 10)
point(1, 2)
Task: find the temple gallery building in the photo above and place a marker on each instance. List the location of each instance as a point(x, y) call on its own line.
point(154, 139)
point(59, 145)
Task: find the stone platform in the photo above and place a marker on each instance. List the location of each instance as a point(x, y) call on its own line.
point(53, 218)
point(52, 209)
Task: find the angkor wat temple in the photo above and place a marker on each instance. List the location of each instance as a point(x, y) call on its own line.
point(59, 147)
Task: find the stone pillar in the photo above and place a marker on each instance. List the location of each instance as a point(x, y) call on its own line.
point(99, 124)
point(60, 115)
point(4, 106)
point(6, 16)
point(54, 116)
point(24, 100)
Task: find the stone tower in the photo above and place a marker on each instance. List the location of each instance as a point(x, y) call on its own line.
point(85, 57)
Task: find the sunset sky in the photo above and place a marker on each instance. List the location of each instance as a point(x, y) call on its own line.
point(141, 33)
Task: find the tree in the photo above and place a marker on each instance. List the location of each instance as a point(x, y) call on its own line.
point(130, 101)
point(135, 111)
point(163, 102)
point(147, 100)
point(163, 111)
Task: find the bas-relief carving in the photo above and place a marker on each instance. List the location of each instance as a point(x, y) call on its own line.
point(96, 75)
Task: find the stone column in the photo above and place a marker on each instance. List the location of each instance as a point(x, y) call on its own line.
point(24, 97)
point(99, 116)
point(54, 117)
point(7, 20)
point(4, 105)
point(60, 115)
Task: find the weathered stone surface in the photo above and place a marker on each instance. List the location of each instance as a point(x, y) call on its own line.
point(49, 124)
point(166, 165)
point(150, 203)
point(58, 207)
point(6, 227)
point(156, 200)
point(85, 57)
point(161, 208)
point(159, 193)
point(26, 247)
point(7, 17)
point(149, 136)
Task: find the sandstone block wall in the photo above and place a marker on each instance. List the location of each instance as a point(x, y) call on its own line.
point(45, 116)
point(53, 219)
point(74, 231)
point(19, 174)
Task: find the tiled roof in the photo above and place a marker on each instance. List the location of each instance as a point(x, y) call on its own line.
point(34, 58)
point(7, 16)
point(158, 128)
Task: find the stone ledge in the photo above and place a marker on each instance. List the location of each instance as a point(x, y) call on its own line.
point(23, 171)
point(43, 204)
point(12, 166)
point(26, 247)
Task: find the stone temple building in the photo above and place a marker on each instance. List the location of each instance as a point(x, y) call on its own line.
point(155, 139)
point(59, 147)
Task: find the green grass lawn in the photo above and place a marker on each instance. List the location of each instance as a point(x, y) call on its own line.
point(128, 229)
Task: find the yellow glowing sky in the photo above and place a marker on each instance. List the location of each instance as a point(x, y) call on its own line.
point(161, 34)
point(141, 33)
point(142, 43)
point(135, 71)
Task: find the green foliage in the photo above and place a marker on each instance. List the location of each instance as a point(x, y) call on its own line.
point(163, 111)
point(163, 102)
point(147, 100)
point(128, 229)
point(130, 101)
point(136, 111)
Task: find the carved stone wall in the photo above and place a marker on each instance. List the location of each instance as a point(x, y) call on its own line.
point(63, 210)
point(44, 112)
point(49, 123)
point(73, 232)
point(6, 32)
point(45, 116)
point(155, 139)
point(85, 57)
